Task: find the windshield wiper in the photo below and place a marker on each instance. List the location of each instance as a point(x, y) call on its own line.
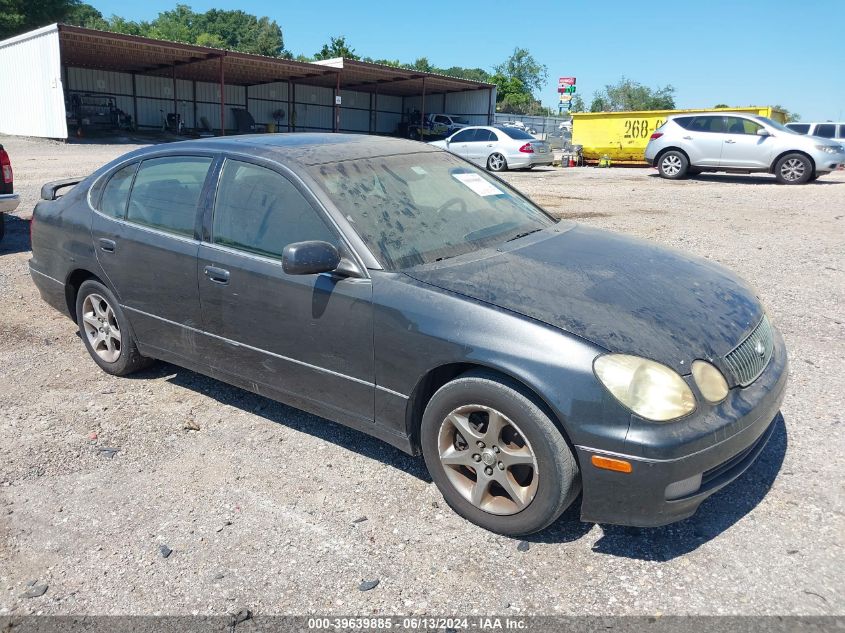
point(519, 235)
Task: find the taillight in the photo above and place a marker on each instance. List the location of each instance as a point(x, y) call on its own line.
point(527, 149)
point(656, 136)
point(6, 166)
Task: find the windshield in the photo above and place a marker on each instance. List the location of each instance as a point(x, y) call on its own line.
point(415, 209)
point(775, 124)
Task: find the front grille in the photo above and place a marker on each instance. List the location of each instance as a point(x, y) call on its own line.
point(748, 359)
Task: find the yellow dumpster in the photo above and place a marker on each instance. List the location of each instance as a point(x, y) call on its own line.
point(623, 135)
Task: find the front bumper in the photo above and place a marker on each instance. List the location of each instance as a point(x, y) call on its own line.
point(9, 202)
point(701, 456)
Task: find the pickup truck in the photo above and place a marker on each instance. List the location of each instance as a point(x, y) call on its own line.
point(9, 200)
point(440, 125)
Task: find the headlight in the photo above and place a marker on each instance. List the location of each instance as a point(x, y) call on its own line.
point(830, 149)
point(647, 388)
point(710, 381)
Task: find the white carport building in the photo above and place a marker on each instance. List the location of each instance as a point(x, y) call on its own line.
point(41, 72)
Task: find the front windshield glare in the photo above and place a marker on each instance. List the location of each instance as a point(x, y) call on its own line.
point(775, 124)
point(416, 209)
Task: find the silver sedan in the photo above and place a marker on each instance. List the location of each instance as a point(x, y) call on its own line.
point(497, 148)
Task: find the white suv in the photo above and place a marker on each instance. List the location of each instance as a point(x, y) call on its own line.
point(828, 129)
point(743, 143)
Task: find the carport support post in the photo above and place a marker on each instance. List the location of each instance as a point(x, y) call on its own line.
point(422, 112)
point(135, 100)
point(336, 106)
point(222, 99)
point(490, 106)
point(291, 100)
point(375, 112)
point(175, 106)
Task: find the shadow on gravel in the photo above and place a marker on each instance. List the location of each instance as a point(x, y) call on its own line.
point(714, 516)
point(297, 419)
point(743, 179)
point(16, 238)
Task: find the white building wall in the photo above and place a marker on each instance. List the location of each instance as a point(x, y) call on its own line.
point(31, 95)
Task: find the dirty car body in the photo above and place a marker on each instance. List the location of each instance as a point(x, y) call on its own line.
point(424, 294)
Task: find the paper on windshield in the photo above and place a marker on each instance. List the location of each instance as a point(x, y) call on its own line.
point(478, 185)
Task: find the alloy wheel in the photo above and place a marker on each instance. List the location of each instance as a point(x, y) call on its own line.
point(671, 165)
point(101, 327)
point(488, 460)
point(496, 162)
point(792, 169)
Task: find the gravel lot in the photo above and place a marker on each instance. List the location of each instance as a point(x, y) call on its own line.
point(260, 504)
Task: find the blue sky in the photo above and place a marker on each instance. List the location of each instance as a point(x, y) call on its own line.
point(756, 52)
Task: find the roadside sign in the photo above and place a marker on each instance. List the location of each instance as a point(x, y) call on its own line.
point(566, 89)
point(564, 98)
point(565, 81)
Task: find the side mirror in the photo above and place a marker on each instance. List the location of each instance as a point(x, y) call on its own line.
point(310, 258)
point(763, 132)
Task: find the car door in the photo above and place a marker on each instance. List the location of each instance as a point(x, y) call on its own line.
point(145, 235)
point(460, 143)
point(482, 145)
point(702, 140)
point(744, 147)
point(306, 337)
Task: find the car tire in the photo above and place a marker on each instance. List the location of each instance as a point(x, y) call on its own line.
point(537, 492)
point(106, 332)
point(794, 169)
point(497, 162)
point(673, 165)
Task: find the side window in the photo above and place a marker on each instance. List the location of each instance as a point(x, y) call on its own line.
point(463, 137)
point(841, 131)
point(827, 130)
point(166, 193)
point(116, 192)
point(486, 136)
point(707, 124)
point(683, 121)
point(261, 211)
point(736, 125)
point(441, 119)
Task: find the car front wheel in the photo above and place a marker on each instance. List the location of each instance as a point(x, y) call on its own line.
point(794, 169)
point(106, 331)
point(673, 165)
point(496, 457)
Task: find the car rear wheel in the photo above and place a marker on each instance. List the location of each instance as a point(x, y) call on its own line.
point(106, 331)
point(497, 162)
point(496, 457)
point(673, 165)
point(794, 169)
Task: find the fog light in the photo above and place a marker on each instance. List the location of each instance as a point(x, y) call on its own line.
point(683, 488)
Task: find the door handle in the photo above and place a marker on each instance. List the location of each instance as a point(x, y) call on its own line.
point(730, 142)
point(687, 138)
point(217, 275)
point(107, 246)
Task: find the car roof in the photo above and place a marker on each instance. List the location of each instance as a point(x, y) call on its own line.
point(747, 115)
point(306, 148)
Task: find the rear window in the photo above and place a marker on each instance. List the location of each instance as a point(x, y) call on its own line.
point(801, 128)
point(517, 134)
point(166, 193)
point(827, 130)
point(841, 131)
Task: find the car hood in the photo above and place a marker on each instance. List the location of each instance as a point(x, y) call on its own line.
point(625, 295)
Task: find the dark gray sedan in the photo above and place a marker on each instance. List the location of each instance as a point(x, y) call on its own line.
point(398, 289)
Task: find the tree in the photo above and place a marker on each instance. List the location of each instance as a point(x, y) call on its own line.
point(19, 16)
point(631, 95)
point(522, 65)
point(337, 47)
point(577, 104)
point(85, 15)
point(790, 116)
